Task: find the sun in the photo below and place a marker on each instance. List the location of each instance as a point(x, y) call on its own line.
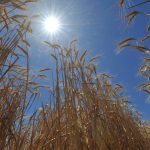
point(52, 24)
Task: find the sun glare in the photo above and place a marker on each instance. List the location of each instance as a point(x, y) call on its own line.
point(52, 24)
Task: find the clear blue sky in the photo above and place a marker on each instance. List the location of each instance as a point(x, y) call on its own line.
point(98, 27)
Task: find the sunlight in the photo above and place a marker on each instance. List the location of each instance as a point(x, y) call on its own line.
point(52, 24)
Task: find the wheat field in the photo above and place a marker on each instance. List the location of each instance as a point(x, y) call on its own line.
point(85, 110)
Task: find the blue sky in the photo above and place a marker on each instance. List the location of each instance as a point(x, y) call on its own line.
point(98, 27)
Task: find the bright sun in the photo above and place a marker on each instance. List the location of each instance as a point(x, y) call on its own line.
point(52, 24)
